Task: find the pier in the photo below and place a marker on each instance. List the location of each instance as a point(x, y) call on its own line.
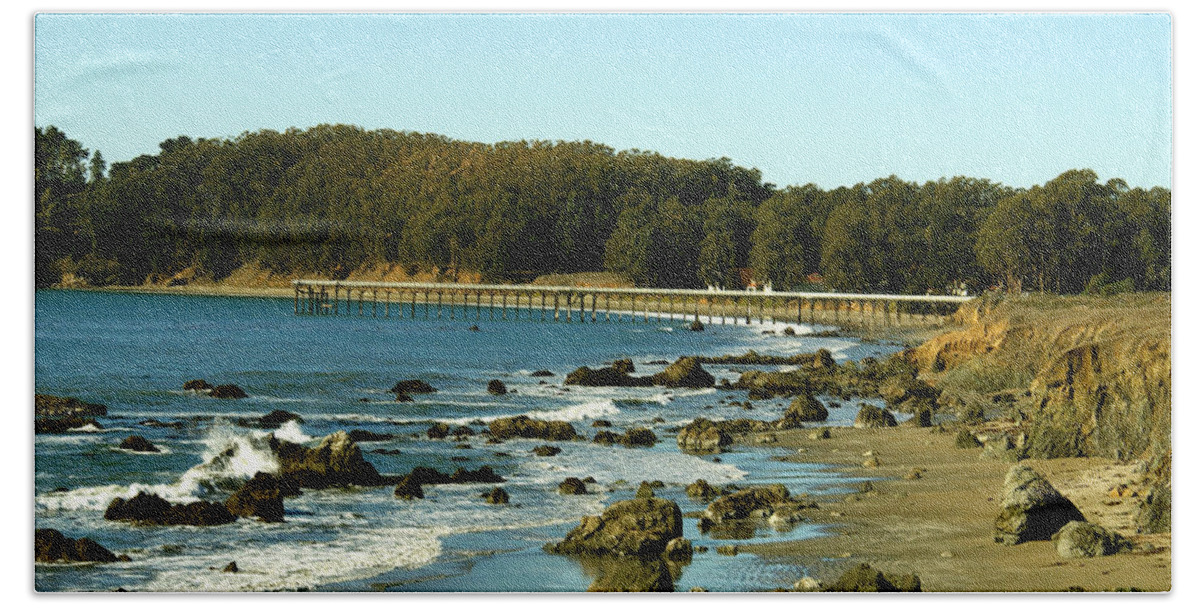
point(481, 302)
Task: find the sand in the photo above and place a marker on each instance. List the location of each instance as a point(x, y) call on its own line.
point(940, 526)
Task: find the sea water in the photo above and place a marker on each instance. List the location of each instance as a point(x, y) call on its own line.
point(133, 352)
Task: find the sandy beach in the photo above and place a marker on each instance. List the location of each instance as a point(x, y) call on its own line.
point(940, 525)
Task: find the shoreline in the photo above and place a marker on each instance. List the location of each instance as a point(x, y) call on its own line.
point(940, 525)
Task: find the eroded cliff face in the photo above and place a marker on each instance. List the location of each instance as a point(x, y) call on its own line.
point(1100, 369)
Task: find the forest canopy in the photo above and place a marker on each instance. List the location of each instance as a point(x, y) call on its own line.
point(335, 198)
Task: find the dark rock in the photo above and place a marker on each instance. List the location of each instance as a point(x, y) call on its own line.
point(696, 326)
point(571, 486)
point(228, 391)
point(788, 331)
point(678, 550)
point(386, 451)
point(701, 490)
point(871, 417)
point(404, 398)
point(758, 502)
point(438, 430)
point(823, 360)
point(641, 527)
point(260, 497)
point(496, 387)
point(413, 387)
point(601, 424)
point(137, 443)
point(495, 496)
point(197, 385)
point(473, 328)
point(901, 389)
point(277, 418)
point(336, 461)
point(645, 490)
point(152, 510)
point(409, 488)
point(639, 437)
point(484, 474)
point(804, 408)
point(542, 373)
point(922, 418)
point(1031, 509)
point(50, 406)
point(528, 428)
point(546, 450)
point(231, 568)
point(50, 545)
point(685, 372)
point(604, 376)
point(459, 432)
point(589, 479)
point(1082, 539)
point(702, 436)
point(865, 579)
point(364, 436)
point(623, 366)
point(606, 438)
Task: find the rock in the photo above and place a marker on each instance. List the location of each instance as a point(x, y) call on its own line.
point(823, 360)
point(259, 497)
point(788, 331)
point(137, 443)
point(696, 326)
point(336, 461)
point(645, 490)
point(601, 424)
point(572, 486)
point(364, 436)
point(403, 398)
point(922, 418)
point(871, 417)
point(1082, 539)
point(900, 389)
point(604, 376)
point(496, 387)
point(1002, 448)
point(231, 568)
point(760, 501)
point(641, 527)
point(729, 550)
point(678, 550)
point(685, 372)
point(484, 474)
point(865, 579)
point(821, 434)
point(546, 450)
point(528, 428)
point(53, 415)
point(277, 418)
point(227, 391)
point(807, 583)
point(495, 496)
point(606, 438)
point(639, 437)
point(623, 366)
point(438, 430)
point(152, 510)
point(966, 440)
point(409, 488)
point(459, 432)
point(413, 387)
point(701, 490)
point(197, 385)
point(1031, 509)
point(628, 574)
point(702, 436)
point(50, 545)
point(473, 328)
point(804, 408)
point(784, 517)
point(766, 438)
point(542, 373)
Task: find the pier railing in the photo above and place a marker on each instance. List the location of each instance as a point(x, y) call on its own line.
point(581, 304)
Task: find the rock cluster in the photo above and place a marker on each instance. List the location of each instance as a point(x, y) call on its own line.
point(686, 372)
point(529, 428)
point(153, 510)
point(53, 415)
point(772, 503)
point(50, 545)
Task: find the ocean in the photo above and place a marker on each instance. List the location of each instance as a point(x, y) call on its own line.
point(133, 353)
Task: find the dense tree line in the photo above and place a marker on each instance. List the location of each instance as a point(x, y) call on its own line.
point(335, 198)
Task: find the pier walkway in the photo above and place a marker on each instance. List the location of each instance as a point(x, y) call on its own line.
point(460, 301)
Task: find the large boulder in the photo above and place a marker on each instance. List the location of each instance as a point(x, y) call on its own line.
point(412, 387)
point(640, 527)
point(1031, 509)
point(336, 461)
point(50, 545)
point(702, 436)
point(865, 579)
point(757, 503)
point(151, 509)
point(804, 408)
point(685, 372)
point(529, 428)
point(137, 443)
point(260, 497)
point(1082, 539)
point(409, 488)
point(871, 417)
point(572, 486)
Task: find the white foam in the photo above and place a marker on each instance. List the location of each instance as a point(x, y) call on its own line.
point(608, 464)
point(598, 408)
point(290, 431)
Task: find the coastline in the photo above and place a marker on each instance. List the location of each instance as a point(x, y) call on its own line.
point(912, 525)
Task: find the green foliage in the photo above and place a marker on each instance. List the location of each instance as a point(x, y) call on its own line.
point(335, 198)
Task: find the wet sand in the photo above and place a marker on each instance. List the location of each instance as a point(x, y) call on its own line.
point(940, 526)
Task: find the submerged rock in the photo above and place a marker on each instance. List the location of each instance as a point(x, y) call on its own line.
point(412, 387)
point(438, 430)
point(639, 437)
point(409, 488)
point(365, 436)
point(1031, 509)
point(197, 385)
point(277, 418)
point(53, 415)
point(628, 574)
point(50, 546)
point(546, 450)
point(701, 490)
point(572, 486)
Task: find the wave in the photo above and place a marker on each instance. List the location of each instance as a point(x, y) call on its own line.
point(609, 464)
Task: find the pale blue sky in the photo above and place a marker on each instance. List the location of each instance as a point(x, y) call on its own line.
point(829, 99)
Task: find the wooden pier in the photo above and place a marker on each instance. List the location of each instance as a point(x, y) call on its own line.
point(479, 302)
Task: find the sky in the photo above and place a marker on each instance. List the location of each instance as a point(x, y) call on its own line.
point(805, 98)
